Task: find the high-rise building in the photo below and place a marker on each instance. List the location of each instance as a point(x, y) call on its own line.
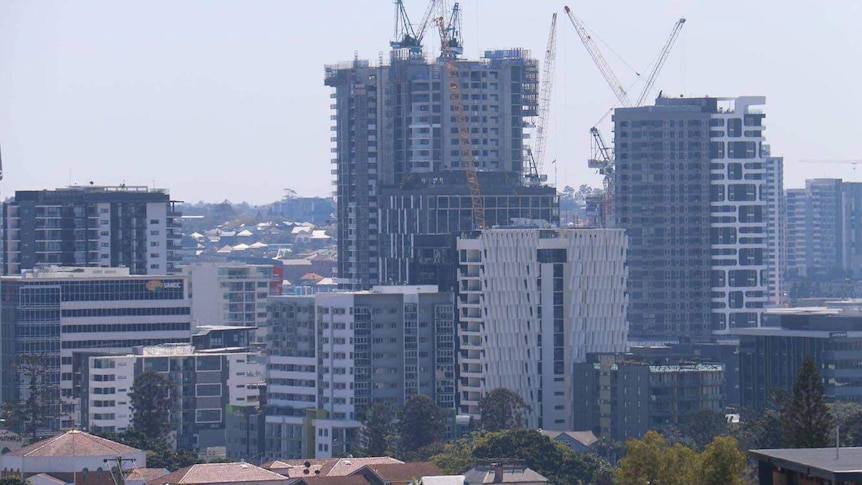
point(66, 314)
point(235, 294)
point(690, 175)
point(127, 226)
point(331, 356)
point(775, 214)
point(396, 143)
point(532, 302)
point(824, 234)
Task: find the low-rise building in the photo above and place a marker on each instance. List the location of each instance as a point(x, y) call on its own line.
point(770, 357)
point(827, 466)
point(503, 473)
point(208, 387)
point(620, 397)
point(71, 457)
point(237, 473)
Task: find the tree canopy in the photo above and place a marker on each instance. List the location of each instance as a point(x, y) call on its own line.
point(159, 452)
point(39, 404)
point(502, 409)
point(421, 423)
point(378, 432)
point(807, 422)
point(151, 405)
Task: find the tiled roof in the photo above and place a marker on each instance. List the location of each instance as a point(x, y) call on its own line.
point(146, 474)
point(332, 467)
point(585, 438)
point(348, 480)
point(74, 443)
point(218, 473)
point(403, 472)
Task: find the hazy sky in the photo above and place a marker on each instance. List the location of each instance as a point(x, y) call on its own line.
point(225, 99)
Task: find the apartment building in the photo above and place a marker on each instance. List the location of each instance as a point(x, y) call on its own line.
point(96, 226)
point(532, 302)
point(331, 356)
point(230, 293)
point(620, 397)
point(207, 387)
point(690, 180)
point(396, 148)
point(66, 313)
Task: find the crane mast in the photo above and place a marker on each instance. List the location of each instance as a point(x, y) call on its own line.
point(545, 98)
point(465, 149)
point(599, 59)
point(665, 51)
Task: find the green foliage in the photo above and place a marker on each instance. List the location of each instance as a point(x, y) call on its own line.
point(159, 452)
point(652, 460)
point(722, 463)
point(13, 480)
point(502, 409)
point(421, 423)
point(700, 429)
point(807, 422)
point(37, 408)
point(151, 405)
point(763, 430)
point(378, 434)
point(554, 460)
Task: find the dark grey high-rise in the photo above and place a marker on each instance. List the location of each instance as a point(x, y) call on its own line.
point(135, 227)
point(396, 138)
point(690, 191)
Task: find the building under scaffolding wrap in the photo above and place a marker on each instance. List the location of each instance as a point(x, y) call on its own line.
point(395, 132)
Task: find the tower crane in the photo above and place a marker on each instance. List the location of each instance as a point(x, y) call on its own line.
point(603, 158)
point(453, 40)
point(406, 37)
point(653, 75)
point(537, 157)
point(447, 55)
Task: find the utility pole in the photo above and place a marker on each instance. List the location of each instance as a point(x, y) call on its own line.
point(117, 470)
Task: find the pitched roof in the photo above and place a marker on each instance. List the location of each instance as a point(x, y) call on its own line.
point(485, 474)
point(146, 474)
point(74, 443)
point(585, 438)
point(218, 473)
point(332, 467)
point(402, 472)
point(348, 480)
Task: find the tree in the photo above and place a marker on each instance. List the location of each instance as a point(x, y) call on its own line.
point(502, 409)
point(151, 405)
point(39, 402)
point(700, 429)
point(421, 423)
point(159, 452)
point(807, 422)
point(552, 459)
point(722, 463)
point(378, 431)
point(652, 460)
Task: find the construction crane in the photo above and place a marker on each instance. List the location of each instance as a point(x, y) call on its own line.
point(536, 158)
point(406, 37)
point(665, 51)
point(453, 40)
point(599, 59)
point(447, 55)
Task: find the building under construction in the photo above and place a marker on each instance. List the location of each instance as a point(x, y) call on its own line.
point(406, 147)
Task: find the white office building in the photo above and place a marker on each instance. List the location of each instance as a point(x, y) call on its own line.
point(532, 303)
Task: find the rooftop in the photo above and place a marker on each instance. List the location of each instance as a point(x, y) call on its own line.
point(821, 462)
point(74, 444)
point(218, 473)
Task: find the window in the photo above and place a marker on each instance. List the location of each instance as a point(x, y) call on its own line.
point(208, 416)
point(208, 390)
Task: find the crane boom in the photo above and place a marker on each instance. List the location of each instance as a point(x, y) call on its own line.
point(457, 106)
point(405, 37)
point(665, 51)
point(599, 59)
point(423, 25)
point(545, 96)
